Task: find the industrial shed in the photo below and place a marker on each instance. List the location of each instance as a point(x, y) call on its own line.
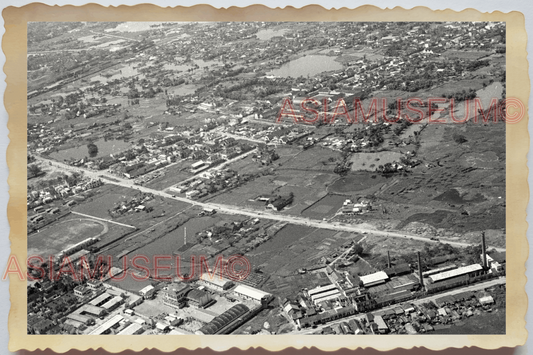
point(374, 279)
point(132, 329)
point(223, 320)
point(252, 293)
point(216, 283)
point(465, 270)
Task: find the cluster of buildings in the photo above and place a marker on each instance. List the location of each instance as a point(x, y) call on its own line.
point(409, 318)
point(135, 204)
point(349, 207)
point(348, 295)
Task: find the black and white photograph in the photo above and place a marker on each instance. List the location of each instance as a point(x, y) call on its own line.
point(266, 178)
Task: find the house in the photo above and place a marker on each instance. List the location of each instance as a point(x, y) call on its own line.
point(174, 295)
point(198, 298)
point(82, 291)
point(217, 283)
point(280, 202)
point(147, 292)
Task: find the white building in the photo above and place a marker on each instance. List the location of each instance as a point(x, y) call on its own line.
point(252, 293)
point(147, 292)
point(374, 279)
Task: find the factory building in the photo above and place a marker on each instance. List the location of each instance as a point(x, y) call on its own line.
point(374, 279)
point(107, 325)
point(132, 329)
point(470, 270)
point(198, 298)
point(216, 283)
point(112, 303)
point(252, 293)
point(217, 325)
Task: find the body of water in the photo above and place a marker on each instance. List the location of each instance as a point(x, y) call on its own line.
point(267, 34)
point(307, 66)
point(104, 148)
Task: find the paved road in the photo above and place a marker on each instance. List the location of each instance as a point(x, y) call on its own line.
point(238, 210)
point(475, 287)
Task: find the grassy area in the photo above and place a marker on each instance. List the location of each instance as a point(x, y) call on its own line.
point(484, 323)
point(370, 161)
point(324, 208)
point(357, 182)
point(71, 230)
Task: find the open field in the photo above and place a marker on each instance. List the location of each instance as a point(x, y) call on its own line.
point(357, 183)
point(325, 207)
point(110, 195)
point(313, 159)
point(171, 175)
point(70, 230)
point(294, 247)
point(465, 54)
point(370, 161)
point(484, 323)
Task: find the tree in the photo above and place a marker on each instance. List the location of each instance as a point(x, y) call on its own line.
point(459, 138)
point(358, 249)
point(93, 150)
point(34, 170)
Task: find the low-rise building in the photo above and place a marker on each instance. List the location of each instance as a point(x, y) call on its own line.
point(252, 293)
point(147, 292)
point(216, 282)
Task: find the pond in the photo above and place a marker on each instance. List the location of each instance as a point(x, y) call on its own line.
point(307, 66)
point(267, 34)
point(105, 147)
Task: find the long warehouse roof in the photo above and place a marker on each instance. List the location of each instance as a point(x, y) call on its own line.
point(377, 276)
point(456, 272)
point(320, 289)
point(108, 324)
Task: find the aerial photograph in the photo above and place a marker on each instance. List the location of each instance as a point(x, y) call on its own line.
point(305, 178)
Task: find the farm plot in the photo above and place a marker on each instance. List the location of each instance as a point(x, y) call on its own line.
point(370, 161)
point(314, 159)
point(467, 54)
point(244, 195)
point(324, 208)
point(171, 175)
point(110, 196)
point(294, 247)
point(358, 182)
